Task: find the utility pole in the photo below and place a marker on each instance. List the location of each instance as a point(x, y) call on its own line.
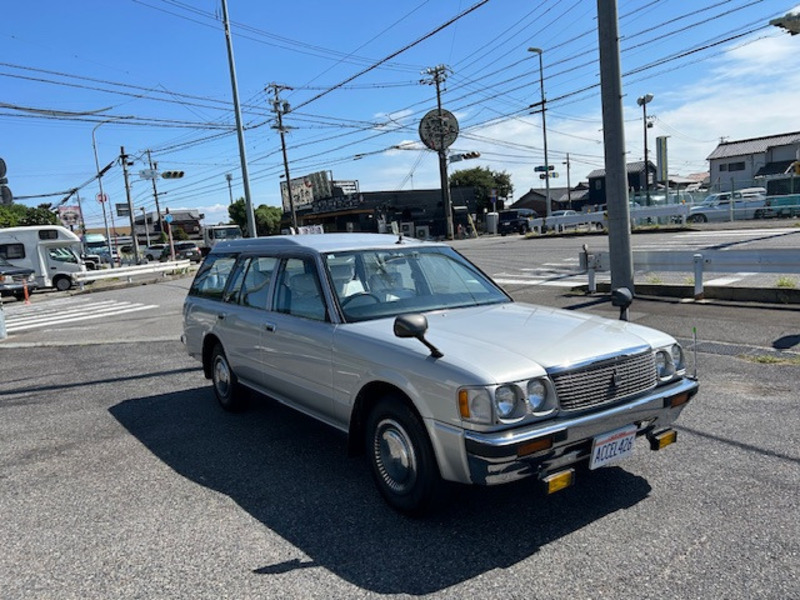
point(124, 158)
point(281, 108)
point(619, 232)
point(154, 168)
point(251, 217)
point(439, 74)
point(229, 177)
point(569, 186)
point(549, 208)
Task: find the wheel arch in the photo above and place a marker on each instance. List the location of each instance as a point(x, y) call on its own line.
point(209, 343)
point(367, 398)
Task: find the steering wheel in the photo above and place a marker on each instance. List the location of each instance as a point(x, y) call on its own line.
point(349, 299)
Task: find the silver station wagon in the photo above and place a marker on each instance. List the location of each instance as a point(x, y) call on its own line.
point(431, 369)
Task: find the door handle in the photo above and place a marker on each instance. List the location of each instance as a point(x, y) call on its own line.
point(221, 316)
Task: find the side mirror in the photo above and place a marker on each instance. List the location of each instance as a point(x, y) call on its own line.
point(623, 298)
point(414, 326)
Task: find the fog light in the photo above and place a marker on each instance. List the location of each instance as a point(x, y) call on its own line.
point(558, 481)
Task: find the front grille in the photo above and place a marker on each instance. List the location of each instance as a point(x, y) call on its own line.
point(605, 382)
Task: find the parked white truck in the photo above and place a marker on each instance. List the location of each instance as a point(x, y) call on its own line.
point(53, 252)
point(219, 233)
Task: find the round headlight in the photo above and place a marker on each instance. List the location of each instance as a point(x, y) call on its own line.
point(677, 357)
point(537, 394)
point(664, 366)
point(505, 400)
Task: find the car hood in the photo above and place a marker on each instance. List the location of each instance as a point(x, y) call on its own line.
point(516, 340)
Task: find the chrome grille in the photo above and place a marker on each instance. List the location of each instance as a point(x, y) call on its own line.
point(605, 382)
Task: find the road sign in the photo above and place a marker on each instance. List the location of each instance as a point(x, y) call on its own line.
point(438, 129)
point(123, 210)
point(168, 218)
point(148, 173)
point(102, 198)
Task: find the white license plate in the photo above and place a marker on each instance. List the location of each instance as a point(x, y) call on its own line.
point(612, 447)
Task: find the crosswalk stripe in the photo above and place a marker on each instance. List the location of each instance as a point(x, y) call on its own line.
point(51, 315)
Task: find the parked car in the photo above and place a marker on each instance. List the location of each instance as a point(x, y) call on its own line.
point(749, 203)
point(563, 213)
point(515, 220)
point(183, 251)
point(14, 280)
point(431, 369)
point(153, 252)
point(783, 206)
point(105, 258)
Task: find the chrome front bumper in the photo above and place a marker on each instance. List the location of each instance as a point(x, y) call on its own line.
point(494, 458)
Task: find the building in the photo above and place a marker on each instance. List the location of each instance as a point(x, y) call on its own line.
point(418, 213)
point(636, 181)
point(537, 200)
point(747, 163)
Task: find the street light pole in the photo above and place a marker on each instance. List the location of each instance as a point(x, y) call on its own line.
point(229, 177)
point(642, 101)
point(544, 129)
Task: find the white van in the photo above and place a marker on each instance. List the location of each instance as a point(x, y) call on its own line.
point(53, 252)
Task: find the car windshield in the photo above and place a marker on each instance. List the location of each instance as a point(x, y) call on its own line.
point(373, 284)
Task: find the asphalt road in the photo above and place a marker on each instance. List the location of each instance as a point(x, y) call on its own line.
point(121, 478)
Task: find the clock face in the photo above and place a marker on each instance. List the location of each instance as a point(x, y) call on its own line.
point(438, 129)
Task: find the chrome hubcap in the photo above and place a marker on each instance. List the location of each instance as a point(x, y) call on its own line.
point(394, 456)
point(222, 377)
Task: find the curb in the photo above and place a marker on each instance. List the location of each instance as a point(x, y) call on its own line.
point(731, 294)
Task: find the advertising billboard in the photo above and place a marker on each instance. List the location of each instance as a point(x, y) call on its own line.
point(306, 190)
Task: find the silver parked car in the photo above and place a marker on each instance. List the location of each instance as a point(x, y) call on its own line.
point(432, 370)
point(748, 203)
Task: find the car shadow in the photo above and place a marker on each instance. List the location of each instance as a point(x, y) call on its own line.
point(291, 473)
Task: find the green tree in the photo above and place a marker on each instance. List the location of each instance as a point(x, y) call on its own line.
point(484, 180)
point(17, 215)
point(268, 218)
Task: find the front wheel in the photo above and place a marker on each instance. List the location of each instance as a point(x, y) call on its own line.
point(698, 219)
point(401, 458)
point(62, 283)
point(227, 389)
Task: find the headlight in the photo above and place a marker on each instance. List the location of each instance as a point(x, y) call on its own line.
point(537, 395)
point(508, 402)
point(669, 362)
point(677, 357)
point(505, 401)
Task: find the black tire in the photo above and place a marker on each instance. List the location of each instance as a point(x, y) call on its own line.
point(401, 459)
point(759, 214)
point(62, 283)
point(698, 219)
point(230, 394)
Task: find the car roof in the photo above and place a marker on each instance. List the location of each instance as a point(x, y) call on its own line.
point(318, 242)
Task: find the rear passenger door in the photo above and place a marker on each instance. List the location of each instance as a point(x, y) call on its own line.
point(298, 339)
point(244, 312)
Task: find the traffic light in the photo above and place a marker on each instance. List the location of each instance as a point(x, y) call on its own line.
point(172, 174)
point(468, 155)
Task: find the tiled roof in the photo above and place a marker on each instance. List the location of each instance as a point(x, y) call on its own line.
point(753, 145)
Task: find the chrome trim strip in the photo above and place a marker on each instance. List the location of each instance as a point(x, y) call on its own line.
point(597, 360)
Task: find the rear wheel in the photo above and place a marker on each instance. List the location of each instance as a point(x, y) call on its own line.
point(401, 458)
point(227, 389)
point(698, 219)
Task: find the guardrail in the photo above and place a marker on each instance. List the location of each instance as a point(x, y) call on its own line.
point(782, 260)
point(129, 272)
point(599, 220)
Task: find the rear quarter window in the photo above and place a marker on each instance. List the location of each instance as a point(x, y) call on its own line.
point(212, 277)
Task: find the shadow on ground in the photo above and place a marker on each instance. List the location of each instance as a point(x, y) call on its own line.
point(292, 474)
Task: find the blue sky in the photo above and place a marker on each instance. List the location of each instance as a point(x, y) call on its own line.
point(158, 70)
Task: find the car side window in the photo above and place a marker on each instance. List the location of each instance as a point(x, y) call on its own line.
point(299, 292)
point(256, 282)
point(212, 276)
